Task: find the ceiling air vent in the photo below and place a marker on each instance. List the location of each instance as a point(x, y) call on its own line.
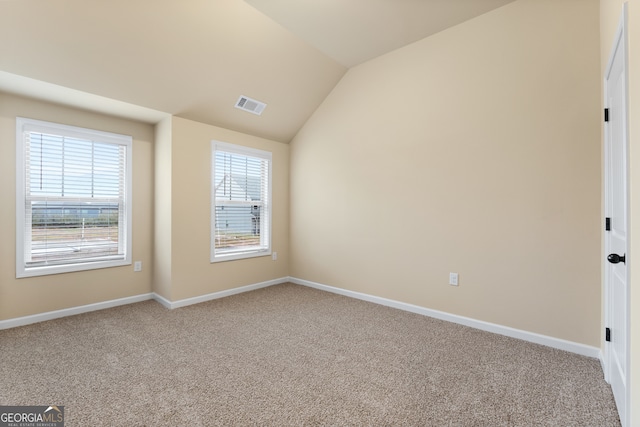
point(250, 105)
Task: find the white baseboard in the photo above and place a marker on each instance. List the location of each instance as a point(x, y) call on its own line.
point(557, 343)
point(162, 300)
point(50, 315)
point(215, 295)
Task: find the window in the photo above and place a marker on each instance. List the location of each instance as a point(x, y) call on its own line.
point(73, 198)
point(241, 202)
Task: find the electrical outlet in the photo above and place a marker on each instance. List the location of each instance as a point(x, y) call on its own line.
point(274, 256)
point(137, 266)
point(453, 279)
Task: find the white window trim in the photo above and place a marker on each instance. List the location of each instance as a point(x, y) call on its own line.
point(24, 124)
point(250, 152)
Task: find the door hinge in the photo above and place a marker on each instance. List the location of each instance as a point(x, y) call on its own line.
point(607, 335)
point(606, 114)
point(607, 224)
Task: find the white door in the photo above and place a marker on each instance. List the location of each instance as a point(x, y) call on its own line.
point(617, 224)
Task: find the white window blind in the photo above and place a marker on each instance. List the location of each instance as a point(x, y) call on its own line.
point(74, 188)
point(241, 211)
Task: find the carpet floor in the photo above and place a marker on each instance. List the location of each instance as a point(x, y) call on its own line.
point(288, 355)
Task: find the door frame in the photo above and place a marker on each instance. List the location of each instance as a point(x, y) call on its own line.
point(619, 44)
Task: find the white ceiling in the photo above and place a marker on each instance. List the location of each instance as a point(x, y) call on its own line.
point(194, 58)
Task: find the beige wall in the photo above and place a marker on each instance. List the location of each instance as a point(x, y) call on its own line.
point(162, 210)
point(21, 297)
point(191, 272)
point(474, 151)
point(609, 18)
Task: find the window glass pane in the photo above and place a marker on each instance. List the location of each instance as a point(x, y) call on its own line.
point(65, 231)
point(237, 227)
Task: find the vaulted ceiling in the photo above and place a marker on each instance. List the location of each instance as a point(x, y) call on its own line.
point(194, 58)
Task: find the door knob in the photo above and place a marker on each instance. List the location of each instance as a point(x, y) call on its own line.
point(615, 258)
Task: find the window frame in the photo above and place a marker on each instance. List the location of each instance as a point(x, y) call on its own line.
point(24, 125)
point(267, 205)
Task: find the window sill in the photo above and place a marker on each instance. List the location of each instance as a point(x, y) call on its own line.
point(241, 255)
point(67, 268)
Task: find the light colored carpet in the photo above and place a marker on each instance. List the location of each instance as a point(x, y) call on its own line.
point(290, 355)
